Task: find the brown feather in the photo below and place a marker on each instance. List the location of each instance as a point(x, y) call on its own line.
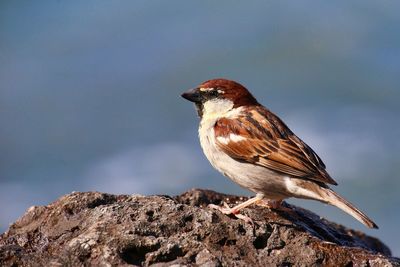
point(270, 143)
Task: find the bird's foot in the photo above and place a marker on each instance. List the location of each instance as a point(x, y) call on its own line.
point(225, 209)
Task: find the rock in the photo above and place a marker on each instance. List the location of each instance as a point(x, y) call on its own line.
point(96, 229)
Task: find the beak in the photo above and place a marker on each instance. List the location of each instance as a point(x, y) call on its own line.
point(193, 95)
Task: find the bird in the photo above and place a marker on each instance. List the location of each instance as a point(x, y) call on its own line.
point(253, 147)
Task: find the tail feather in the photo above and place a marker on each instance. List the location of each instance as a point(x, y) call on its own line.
point(334, 199)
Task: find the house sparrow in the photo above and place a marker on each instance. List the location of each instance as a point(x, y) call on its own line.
point(248, 143)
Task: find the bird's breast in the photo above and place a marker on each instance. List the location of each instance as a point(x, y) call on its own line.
point(254, 178)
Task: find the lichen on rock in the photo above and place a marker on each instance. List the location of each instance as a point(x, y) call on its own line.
point(96, 229)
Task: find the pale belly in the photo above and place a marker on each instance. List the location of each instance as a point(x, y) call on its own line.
point(254, 178)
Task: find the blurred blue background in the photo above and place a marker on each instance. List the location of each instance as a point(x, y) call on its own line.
point(89, 95)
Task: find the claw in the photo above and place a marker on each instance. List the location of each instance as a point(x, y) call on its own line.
point(225, 210)
point(235, 210)
point(244, 218)
point(228, 211)
point(226, 205)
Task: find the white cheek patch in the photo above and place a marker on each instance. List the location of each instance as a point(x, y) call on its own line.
point(217, 107)
point(231, 138)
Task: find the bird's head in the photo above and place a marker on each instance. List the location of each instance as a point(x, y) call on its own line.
point(219, 96)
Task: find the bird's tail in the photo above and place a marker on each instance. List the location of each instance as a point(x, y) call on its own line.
point(334, 199)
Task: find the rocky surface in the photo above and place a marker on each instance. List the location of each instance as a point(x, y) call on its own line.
point(96, 229)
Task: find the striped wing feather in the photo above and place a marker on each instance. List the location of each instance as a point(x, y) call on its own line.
point(268, 142)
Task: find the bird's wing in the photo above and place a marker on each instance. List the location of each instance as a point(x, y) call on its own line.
point(258, 136)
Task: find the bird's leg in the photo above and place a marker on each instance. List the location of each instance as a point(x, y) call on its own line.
point(236, 210)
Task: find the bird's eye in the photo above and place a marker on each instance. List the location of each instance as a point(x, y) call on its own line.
point(214, 92)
